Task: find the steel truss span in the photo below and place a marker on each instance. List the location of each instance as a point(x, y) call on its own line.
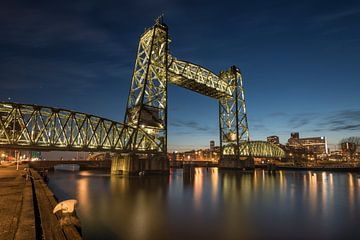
point(196, 78)
point(257, 149)
point(45, 128)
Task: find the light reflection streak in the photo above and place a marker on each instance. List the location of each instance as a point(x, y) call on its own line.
point(255, 179)
point(214, 184)
point(83, 195)
point(313, 192)
point(324, 191)
point(141, 219)
point(198, 188)
point(263, 176)
point(282, 182)
point(351, 190)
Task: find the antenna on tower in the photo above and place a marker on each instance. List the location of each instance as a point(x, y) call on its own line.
point(160, 19)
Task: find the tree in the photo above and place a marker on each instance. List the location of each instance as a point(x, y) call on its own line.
point(355, 140)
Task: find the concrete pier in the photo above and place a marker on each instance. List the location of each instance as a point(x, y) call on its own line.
point(132, 164)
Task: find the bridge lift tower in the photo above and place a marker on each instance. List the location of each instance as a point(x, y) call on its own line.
point(146, 110)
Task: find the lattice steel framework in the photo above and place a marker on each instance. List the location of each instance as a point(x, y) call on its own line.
point(234, 130)
point(37, 127)
point(147, 102)
point(198, 79)
point(256, 149)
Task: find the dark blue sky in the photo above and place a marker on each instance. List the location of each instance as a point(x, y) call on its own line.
point(300, 61)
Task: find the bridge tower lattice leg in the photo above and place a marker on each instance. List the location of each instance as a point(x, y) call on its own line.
point(235, 149)
point(146, 110)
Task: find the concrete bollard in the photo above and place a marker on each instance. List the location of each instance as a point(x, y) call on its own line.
point(68, 216)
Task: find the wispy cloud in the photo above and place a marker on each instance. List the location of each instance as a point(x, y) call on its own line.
point(301, 120)
point(183, 127)
point(188, 124)
point(337, 15)
point(348, 120)
point(22, 73)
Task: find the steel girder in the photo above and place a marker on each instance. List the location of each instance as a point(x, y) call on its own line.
point(257, 149)
point(198, 79)
point(234, 130)
point(37, 127)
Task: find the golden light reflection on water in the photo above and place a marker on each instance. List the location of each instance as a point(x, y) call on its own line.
point(214, 185)
point(198, 187)
point(138, 206)
point(313, 192)
point(320, 192)
point(324, 190)
point(83, 195)
point(282, 183)
point(351, 190)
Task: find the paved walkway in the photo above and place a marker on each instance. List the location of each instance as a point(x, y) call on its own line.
point(17, 219)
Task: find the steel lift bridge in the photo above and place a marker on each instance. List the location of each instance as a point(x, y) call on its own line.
point(140, 143)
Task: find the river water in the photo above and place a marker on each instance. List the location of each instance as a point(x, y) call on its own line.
point(214, 204)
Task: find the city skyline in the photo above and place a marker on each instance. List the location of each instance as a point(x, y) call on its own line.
point(299, 62)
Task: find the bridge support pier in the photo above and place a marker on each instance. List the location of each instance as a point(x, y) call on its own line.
point(234, 163)
point(133, 164)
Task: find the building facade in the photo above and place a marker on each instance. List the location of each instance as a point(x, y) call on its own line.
point(316, 146)
point(273, 139)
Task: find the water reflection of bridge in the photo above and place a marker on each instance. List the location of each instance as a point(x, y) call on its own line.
point(140, 143)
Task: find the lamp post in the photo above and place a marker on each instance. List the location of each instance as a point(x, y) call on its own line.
point(17, 159)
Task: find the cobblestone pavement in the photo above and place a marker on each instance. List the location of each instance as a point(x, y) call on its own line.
point(12, 186)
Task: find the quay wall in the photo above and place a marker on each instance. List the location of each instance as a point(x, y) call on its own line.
point(44, 204)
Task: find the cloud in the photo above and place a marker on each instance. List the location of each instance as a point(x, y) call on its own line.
point(297, 122)
point(22, 73)
point(337, 15)
point(346, 127)
point(183, 127)
point(188, 124)
point(301, 120)
point(347, 120)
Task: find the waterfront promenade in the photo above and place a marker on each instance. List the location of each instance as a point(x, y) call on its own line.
point(17, 220)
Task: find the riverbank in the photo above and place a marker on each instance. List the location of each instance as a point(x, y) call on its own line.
point(26, 206)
